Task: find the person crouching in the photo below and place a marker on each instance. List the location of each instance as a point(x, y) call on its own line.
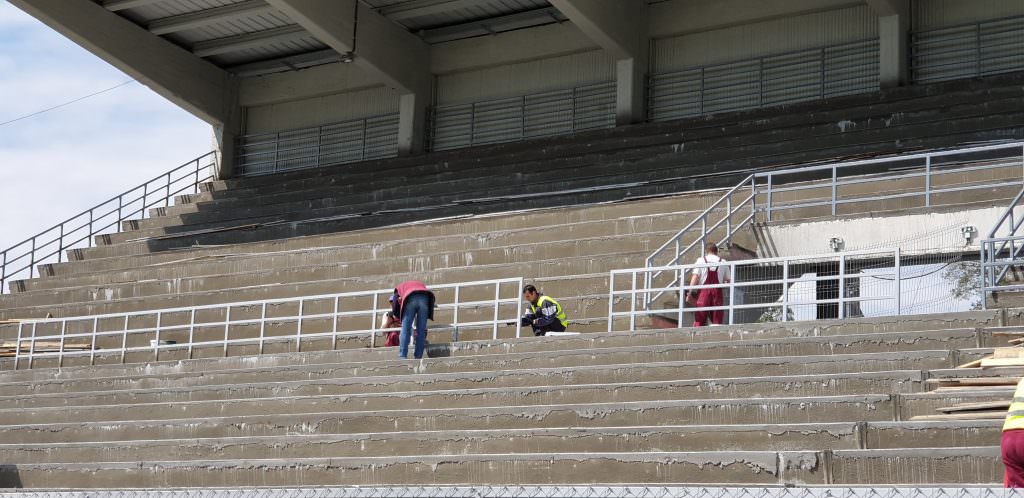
point(545, 314)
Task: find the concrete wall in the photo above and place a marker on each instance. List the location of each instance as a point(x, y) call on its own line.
point(320, 110)
point(773, 36)
point(937, 13)
point(916, 233)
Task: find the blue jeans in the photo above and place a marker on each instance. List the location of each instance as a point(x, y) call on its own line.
point(416, 307)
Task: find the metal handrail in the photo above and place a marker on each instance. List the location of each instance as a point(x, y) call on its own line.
point(765, 185)
point(132, 204)
point(639, 295)
point(29, 330)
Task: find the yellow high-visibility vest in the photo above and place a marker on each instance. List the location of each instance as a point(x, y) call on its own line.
point(560, 315)
point(1015, 415)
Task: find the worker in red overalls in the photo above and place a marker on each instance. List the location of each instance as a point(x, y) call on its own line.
point(1012, 444)
point(708, 297)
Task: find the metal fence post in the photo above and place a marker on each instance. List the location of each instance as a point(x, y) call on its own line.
point(632, 304)
point(898, 278)
point(928, 181)
point(167, 199)
point(17, 346)
point(124, 339)
point(519, 308)
point(263, 325)
point(732, 292)
point(92, 345)
point(192, 333)
point(785, 290)
point(983, 270)
point(842, 286)
point(611, 300)
point(156, 343)
point(227, 329)
point(298, 326)
point(834, 187)
point(455, 317)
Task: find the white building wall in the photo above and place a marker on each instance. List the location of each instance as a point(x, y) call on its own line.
point(937, 13)
point(756, 39)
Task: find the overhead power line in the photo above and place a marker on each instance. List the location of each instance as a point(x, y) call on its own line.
point(65, 104)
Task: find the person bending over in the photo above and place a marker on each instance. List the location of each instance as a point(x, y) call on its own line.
point(545, 314)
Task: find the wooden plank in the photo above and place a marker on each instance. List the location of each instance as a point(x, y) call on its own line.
point(986, 415)
point(1002, 362)
point(982, 406)
point(976, 381)
point(973, 364)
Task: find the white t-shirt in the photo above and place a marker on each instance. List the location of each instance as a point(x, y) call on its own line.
point(723, 271)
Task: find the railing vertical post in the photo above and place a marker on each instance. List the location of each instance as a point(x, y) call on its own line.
point(167, 198)
point(373, 334)
point(298, 326)
point(728, 220)
point(497, 303)
point(32, 345)
point(768, 207)
point(124, 339)
point(91, 232)
point(60, 245)
point(3, 273)
point(785, 290)
point(835, 172)
point(455, 317)
point(681, 304)
point(32, 262)
point(842, 286)
point(192, 333)
point(263, 325)
point(898, 277)
point(611, 300)
point(519, 308)
point(983, 269)
point(156, 343)
point(732, 293)
point(145, 200)
point(63, 332)
point(632, 303)
point(227, 329)
point(17, 346)
point(928, 181)
point(334, 323)
point(92, 345)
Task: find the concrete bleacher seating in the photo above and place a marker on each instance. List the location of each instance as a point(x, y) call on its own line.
point(801, 404)
point(794, 404)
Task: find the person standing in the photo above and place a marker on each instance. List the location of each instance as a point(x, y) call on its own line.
point(545, 314)
point(1012, 443)
point(413, 304)
point(708, 297)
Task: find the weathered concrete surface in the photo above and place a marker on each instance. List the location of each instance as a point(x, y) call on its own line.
point(356, 397)
point(980, 465)
point(701, 467)
point(590, 440)
point(954, 433)
point(398, 377)
point(192, 420)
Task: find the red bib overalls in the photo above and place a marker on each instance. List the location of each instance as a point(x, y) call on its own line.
point(709, 298)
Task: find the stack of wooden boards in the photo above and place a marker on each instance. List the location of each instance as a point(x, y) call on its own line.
point(8, 349)
point(997, 374)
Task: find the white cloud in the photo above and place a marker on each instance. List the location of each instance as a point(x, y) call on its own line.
point(58, 164)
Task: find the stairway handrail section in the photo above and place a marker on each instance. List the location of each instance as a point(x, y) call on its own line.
point(80, 230)
point(766, 184)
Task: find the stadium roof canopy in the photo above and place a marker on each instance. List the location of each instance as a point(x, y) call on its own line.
point(251, 37)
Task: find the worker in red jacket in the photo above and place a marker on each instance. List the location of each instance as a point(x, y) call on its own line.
point(413, 304)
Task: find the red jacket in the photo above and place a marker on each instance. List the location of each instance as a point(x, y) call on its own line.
point(406, 289)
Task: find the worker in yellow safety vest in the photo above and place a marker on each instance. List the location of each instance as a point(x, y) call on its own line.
point(1013, 440)
point(545, 314)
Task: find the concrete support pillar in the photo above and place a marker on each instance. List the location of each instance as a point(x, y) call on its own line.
point(893, 41)
point(412, 123)
point(630, 91)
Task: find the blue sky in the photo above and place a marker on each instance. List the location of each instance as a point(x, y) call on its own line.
point(58, 164)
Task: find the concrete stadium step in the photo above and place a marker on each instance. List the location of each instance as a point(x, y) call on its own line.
point(528, 222)
point(417, 254)
point(396, 378)
point(780, 437)
point(936, 132)
point(485, 396)
point(747, 468)
point(70, 425)
point(428, 396)
point(928, 403)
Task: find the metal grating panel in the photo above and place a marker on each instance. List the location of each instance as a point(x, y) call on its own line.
point(144, 14)
point(481, 9)
point(803, 75)
point(337, 143)
point(968, 50)
point(523, 117)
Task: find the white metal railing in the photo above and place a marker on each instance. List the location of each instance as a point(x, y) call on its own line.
point(481, 304)
point(827, 189)
point(770, 289)
point(1002, 251)
point(80, 231)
